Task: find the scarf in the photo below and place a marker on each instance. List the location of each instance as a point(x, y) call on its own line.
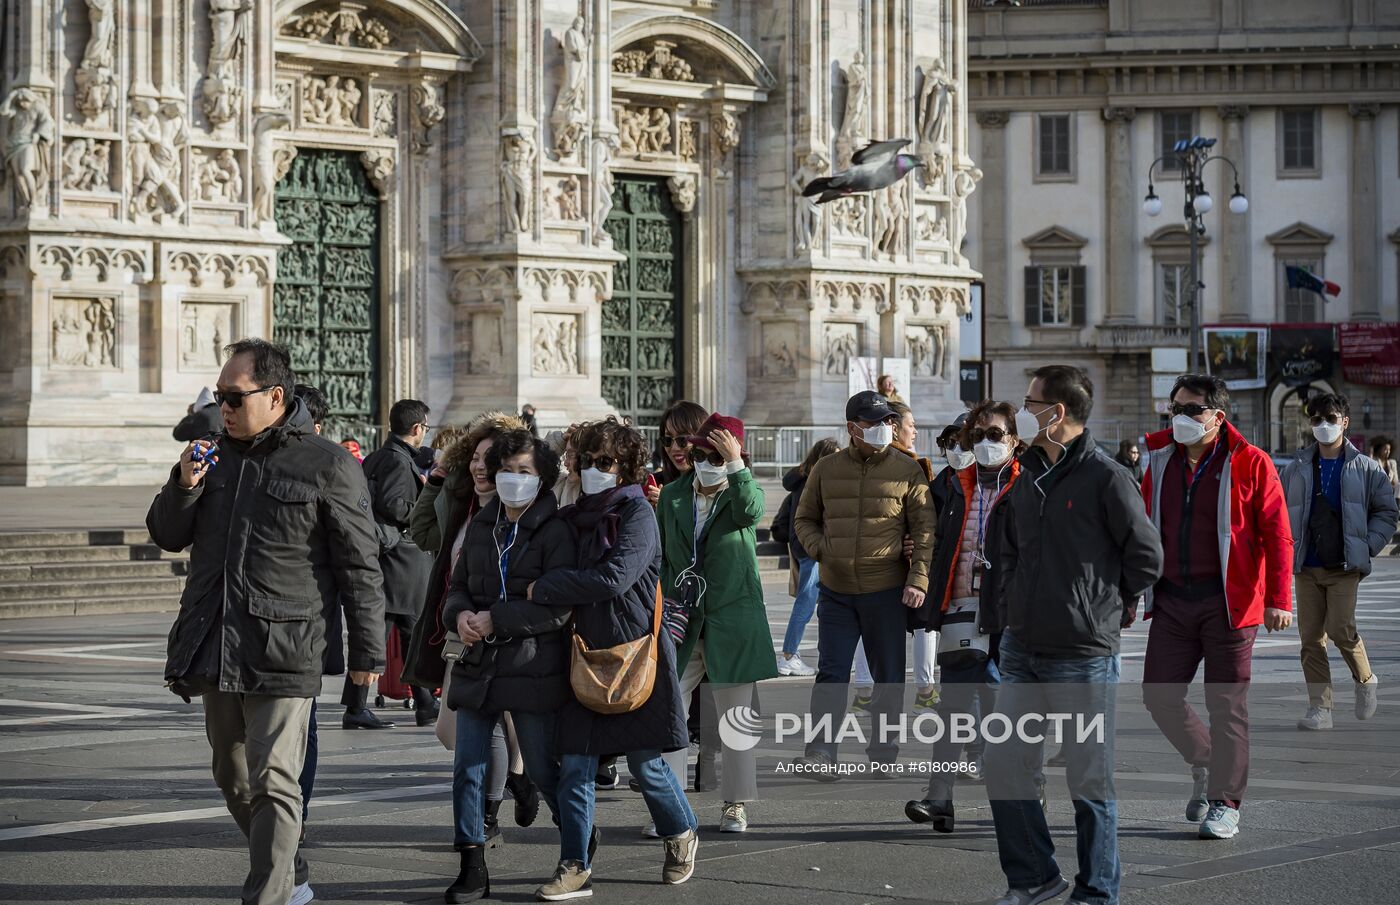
point(594, 519)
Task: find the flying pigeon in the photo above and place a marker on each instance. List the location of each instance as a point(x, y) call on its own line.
point(873, 167)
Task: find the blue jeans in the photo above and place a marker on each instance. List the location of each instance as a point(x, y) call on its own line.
point(307, 780)
point(967, 689)
point(803, 606)
point(877, 619)
point(1034, 683)
point(534, 731)
point(662, 791)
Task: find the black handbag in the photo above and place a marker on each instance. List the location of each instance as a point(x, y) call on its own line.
point(1325, 525)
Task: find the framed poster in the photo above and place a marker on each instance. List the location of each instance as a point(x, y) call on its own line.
point(1301, 354)
point(1371, 354)
point(1236, 355)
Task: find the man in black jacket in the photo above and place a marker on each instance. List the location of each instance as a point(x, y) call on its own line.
point(393, 489)
point(202, 420)
point(275, 518)
point(1077, 551)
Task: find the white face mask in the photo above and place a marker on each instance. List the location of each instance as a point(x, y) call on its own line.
point(1187, 430)
point(1028, 425)
point(879, 436)
point(517, 490)
point(707, 475)
point(595, 481)
point(958, 458)
point(991, 453)
point(1327, 433)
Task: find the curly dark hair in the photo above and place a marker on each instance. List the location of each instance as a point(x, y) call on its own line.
point(612, 438)
point(509, 444)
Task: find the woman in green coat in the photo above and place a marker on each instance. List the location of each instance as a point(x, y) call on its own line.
point(709, 518)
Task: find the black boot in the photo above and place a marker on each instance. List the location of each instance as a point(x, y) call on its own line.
point(527, 798)
point(473, 881)
point(939, 813)
point(493, 826)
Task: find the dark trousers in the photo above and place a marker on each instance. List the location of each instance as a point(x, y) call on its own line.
point(1182, 634)
point(307, 780)
point(878, 619)
point(356, 697)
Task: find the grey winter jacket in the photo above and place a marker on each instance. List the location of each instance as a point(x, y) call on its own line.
point(277, 528)
point(1368, 506)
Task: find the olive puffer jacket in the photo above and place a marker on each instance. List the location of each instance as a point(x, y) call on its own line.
point(854, 514)
point(525, 666)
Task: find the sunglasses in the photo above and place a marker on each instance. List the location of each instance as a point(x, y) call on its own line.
point(995, 434)
point(602, 463)
point(235, 399)
point(1190, 409)
point(699, 455)
point(668, 442)
point(1329, 419)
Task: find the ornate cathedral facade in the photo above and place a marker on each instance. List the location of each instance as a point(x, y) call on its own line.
point(590, 206)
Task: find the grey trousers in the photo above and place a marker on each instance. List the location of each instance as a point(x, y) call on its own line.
point(259, 743)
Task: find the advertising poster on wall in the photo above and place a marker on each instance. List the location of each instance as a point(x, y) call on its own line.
point(1371, 354)
point(1300, 355)
point(1236, 355)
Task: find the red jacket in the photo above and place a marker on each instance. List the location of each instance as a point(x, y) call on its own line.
point(1256, 541)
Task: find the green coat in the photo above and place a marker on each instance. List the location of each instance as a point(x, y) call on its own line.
point(731, 616)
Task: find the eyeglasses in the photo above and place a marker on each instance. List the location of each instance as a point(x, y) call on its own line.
point(700, 455)
point(995, 434)
point(668, 442)
point(1330, 419)
point(1029, 401)
point(602, 463)
point(235, 399)
point(1190, 409)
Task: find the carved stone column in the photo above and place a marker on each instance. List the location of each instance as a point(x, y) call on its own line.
point(1234, 228)
point(996, 306)
point(139, 34)
point(1365, 213)
point(1121, 285)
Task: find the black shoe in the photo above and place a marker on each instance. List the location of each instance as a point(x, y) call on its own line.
point(634, 785)
point(473, 881)
point(527, 798)
point(939, 813)
point(606, 777)
point(593, 839)
point(492, 824)
point(427, 716)
point(364, 719)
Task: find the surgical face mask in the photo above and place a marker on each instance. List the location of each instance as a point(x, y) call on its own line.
point(1327, 433)
point(1187, 430)
point(595, 481)
point(958, 458)
point(517, 490)
point(991, 453)
point(879, 436)
point(1028, 424)
point(708, 475)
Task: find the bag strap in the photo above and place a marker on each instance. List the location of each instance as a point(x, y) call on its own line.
point(656, 615)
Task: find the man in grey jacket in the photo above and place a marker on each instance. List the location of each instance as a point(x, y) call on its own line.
point(276, 519)
point(1343, 512)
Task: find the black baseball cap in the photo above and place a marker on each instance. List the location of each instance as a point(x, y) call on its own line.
point(868, 406)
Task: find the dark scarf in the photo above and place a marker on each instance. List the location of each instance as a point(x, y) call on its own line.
point(594, 519)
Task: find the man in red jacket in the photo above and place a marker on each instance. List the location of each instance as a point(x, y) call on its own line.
point(1228, 550)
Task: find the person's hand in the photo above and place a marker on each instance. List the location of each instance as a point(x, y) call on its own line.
point(530, 591)
point(466, 630)
point(192, 471)
point(481, 623)
point(726, 445)
point(653, 492)
point(913, 598)
point(1129, 615)
point(908, 547)
point(363, 676)
point(1276, 620)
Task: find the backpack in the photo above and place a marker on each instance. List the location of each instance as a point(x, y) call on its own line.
point(781, 529)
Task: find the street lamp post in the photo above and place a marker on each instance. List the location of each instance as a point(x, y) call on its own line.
point(1191, 155)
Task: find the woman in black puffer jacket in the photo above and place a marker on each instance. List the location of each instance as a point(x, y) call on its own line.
point(516, 658)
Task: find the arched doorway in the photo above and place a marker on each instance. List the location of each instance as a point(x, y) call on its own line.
point(1288, 424)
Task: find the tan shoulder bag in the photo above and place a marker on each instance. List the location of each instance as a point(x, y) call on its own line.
point(616, 679)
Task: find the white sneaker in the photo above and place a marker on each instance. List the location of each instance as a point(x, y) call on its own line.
point(1222, 822)
point(1316, 719)
point(735, 818)
point(1366, 698)
point(302, 894)
point(649, 831)
point(793, 666)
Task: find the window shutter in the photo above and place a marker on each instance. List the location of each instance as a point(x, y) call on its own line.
point(1076, 283)
point(1032, 296)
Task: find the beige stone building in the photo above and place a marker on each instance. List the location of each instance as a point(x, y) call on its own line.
point(587, 205)
point(1073, 101)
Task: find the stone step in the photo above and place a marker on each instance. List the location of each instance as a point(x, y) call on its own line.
point(43, 591)
point(97, 573)
point(96, 538)
point(113, 553)
point(89, 606)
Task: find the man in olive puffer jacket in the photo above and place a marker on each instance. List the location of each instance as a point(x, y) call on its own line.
point(855, 511)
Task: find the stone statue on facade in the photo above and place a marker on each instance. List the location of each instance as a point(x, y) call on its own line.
point(29, 138)
point(931, 118)
point(267, 168)
point(806, 214)
point(684, 192)
point(518, 179)
point(93, 84)
point(570, 116)
point(890, 209)
point(603, 147)
point(228, 35)
point(725, 125)
point(85, 165)
point(155, 142)
point(428, 111)
point(964, 184)
point(855, 125)
point(220, 179)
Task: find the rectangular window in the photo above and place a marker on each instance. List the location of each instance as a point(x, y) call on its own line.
point(1174, 291)
point(1174, 126)
point(1054, 157)
point(1298, 141)
point(1300, 306)
point(1055, 296)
